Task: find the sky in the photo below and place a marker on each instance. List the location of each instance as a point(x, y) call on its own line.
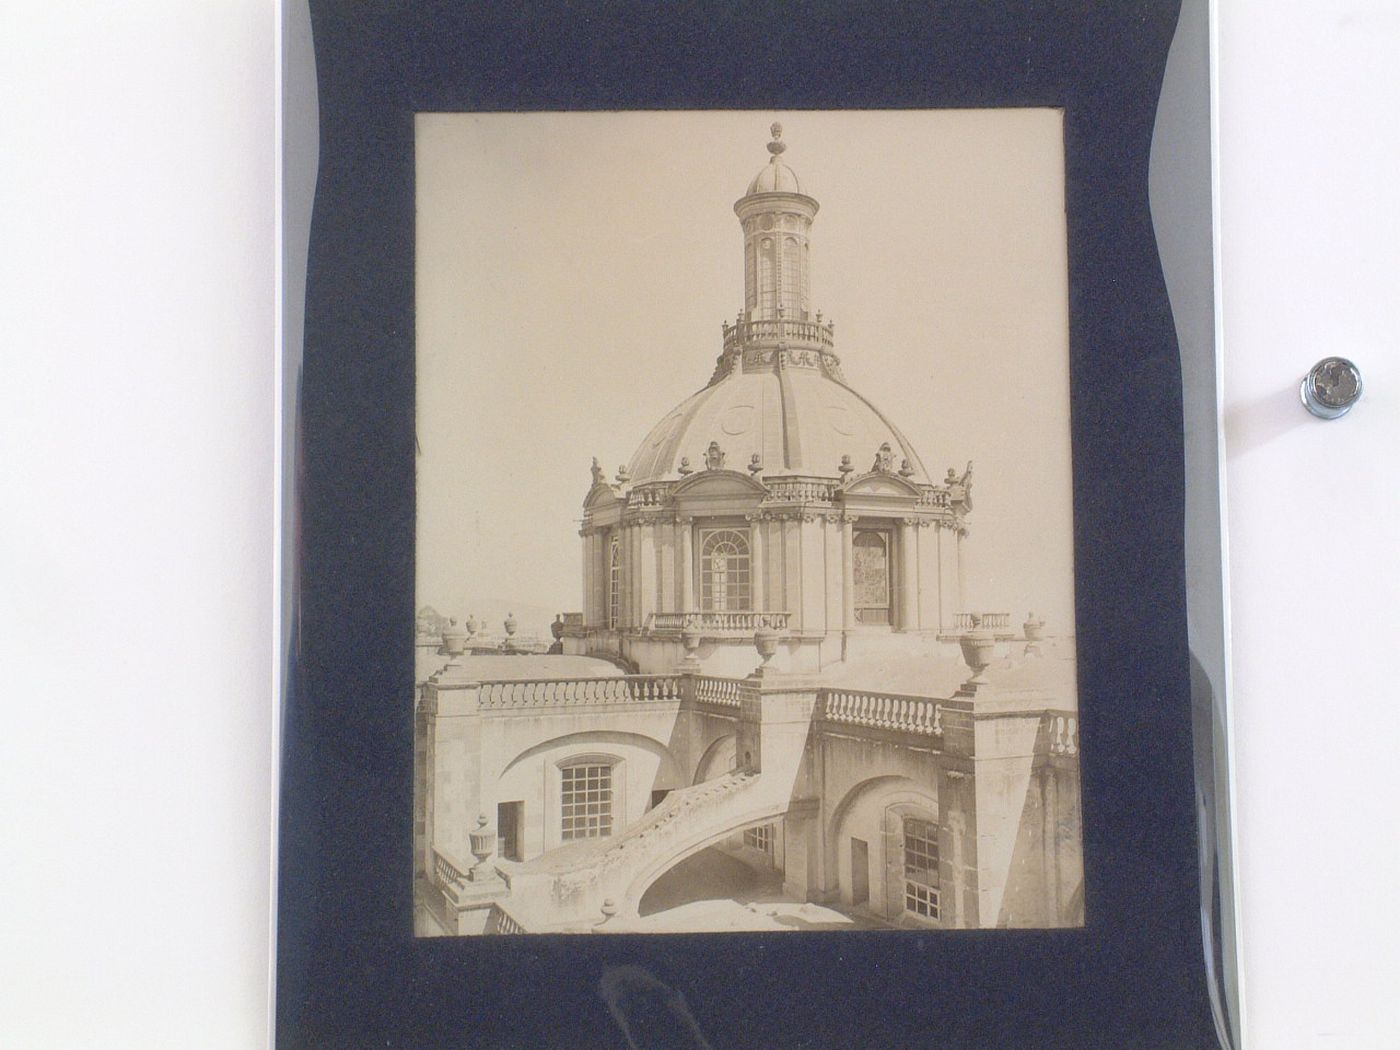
point(573, 270)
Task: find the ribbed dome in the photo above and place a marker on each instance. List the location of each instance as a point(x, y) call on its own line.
point(776, 177)
point(799, 421)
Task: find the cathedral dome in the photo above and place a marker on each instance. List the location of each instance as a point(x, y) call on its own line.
point(797, 420)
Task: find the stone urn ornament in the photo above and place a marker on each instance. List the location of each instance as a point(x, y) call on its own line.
point(765, 640)
point(977, 645)
point(471, 625)
point(483, 844)
point(1034, 631)
point(454, 639)
point(691, 637)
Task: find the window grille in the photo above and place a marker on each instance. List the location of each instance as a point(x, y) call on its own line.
point(586, 802)
point(760, 838)
point(921, 867)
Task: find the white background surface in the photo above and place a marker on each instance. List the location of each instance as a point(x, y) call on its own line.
point(136, 409)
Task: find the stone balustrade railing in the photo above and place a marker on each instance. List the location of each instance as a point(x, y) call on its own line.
point(504, 922)
point(934, 497)
point(721, 691)
point(578, 692)
point(715, 623)
point(1062, 733)
point(910, 714)
point(648, 496)
point(990, 621)
point(801, 490)
point(796, 333)
point(445, 872)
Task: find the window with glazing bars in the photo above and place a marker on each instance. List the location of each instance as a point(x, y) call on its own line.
point(921, 867)
point(614, 582)
point(760, 838)
point(724, 571)
point(586, 802)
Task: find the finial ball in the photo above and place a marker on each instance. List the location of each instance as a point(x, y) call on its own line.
point(777, 145)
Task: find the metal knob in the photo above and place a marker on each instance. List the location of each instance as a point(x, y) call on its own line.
point(1331, 387)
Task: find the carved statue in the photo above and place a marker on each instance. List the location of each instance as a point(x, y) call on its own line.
point(623, 477)
point(846, 465)
point(685, 467)
point(884, 459)
point(960, 488)
point(755, 464)
point(597, 472)
point(905, 470)
point(714, 456)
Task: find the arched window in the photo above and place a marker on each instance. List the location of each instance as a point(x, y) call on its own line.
point(767, 278)
point(921, 868)
point(614, 582)
point(792, 281)
point(724, 570)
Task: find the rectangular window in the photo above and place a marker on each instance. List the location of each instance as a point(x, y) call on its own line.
point(921, 867)
point(870, 574)
point(586, 802)
point(614, 582)
point(760, 838)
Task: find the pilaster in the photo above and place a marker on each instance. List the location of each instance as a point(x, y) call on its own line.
point(908, 575)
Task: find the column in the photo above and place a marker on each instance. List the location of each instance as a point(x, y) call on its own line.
point(687, 565)
point(848, 574)
point(647, 577)
point(813, 613)
point(928, 575)
point(634, 577)
point(666, 566)
point(758, 583)
point(831, 585)
point(949, 593)
point(908, 578)
point(624, 596)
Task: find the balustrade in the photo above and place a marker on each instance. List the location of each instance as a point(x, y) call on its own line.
point(911, 714)
point(506, 922)
point(721, 691)
point(990, 621)
point(578, 692)
point(446, 873)
point(1063, 734)
point(800, 490)
point(648, 496)
point(715, 622)
point(798, 333)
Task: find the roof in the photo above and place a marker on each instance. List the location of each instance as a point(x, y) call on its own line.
point(775, 177)
point(797, 420)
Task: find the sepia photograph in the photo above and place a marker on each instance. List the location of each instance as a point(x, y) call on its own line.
point(744, 558)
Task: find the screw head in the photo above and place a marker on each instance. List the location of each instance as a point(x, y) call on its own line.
point(1331, 387)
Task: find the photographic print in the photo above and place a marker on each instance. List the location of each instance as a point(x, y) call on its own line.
point(744, 543)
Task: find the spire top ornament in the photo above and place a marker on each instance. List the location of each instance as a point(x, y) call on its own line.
point(777, 145)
